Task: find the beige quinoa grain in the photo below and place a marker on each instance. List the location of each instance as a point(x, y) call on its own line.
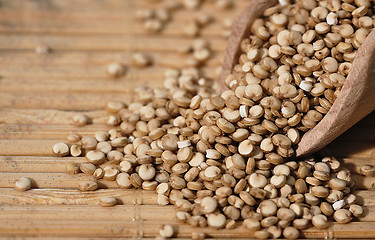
point(87, 186)
point(61, 149)
point(23, 184)
point(166, 231)
point(72, 168)
point(116, 69)
point(80, 119)
point(107, 201)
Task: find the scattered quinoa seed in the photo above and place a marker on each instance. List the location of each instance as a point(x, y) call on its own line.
point(23, 184)
point(166, 231)
point(116, 69)
point(72, 168)
point(107, 201)
point(60, 149)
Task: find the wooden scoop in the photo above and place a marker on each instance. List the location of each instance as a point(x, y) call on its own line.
point(355, 101)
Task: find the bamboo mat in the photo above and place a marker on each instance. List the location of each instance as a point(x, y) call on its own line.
point(39, 93)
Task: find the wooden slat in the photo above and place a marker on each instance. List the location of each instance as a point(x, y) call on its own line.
point(82, 72)
point(88, 18)
point(75, 86)
point(75, 228)
point(52, 180)
point(93, 81)
point(71, 101)
point(26, 147)
point(71, 73)
point(75, 197)
point(98, 59)
point(121, 213)
point(128, 26)
point(100, 43)
point(27, 131)
point(28, 164)
point(46, 116)
point(97, 10)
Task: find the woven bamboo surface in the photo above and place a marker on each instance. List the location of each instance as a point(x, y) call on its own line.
point(39, 93)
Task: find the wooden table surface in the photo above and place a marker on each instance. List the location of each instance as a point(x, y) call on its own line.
point(39, 94)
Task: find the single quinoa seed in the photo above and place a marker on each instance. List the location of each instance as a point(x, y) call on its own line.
point(23, 184)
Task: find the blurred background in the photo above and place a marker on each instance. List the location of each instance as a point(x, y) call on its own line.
point(62, 50)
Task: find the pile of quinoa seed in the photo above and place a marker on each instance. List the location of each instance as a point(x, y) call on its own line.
point(296, 60)
point(225, 158)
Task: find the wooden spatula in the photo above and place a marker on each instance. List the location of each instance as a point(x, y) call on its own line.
point(357, 97)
